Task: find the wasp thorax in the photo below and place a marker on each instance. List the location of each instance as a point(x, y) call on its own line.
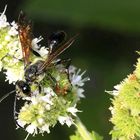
point(31, 72)
point(24, 87)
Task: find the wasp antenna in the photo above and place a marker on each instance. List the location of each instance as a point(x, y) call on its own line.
point(75, 36)
point(6, 95)
point(21, 12)
point(21, 15)
point(23, 20)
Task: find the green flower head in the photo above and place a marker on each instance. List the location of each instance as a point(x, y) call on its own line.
point(125, 108)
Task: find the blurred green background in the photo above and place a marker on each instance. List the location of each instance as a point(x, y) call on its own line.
point(109, 35)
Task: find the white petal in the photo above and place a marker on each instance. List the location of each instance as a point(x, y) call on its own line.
point(73, 110)
point(43, 52)
point(76, 77)
point(80, 92)
point(7, 38)
point(48, 107)
point(115, 92)
point(46, 128)
point(35, 42)
point(13, 75)
point(117, 87)
point(34, 100)
point(21, 123)
point(40, 120)
point(68, 120)
point(111, 109)
point(31, 128)
point(62, 119)
point(3, 19)
point(49, 91)
point(47, 99)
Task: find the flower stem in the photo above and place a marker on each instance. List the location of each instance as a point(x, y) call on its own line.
point(83, 132)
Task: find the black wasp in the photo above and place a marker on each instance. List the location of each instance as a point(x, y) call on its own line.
point(56, 46)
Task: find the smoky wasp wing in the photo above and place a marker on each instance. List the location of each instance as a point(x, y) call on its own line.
point(25, 36)
point(52, 56)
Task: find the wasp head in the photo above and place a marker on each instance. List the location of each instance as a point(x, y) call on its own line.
point(24, 87)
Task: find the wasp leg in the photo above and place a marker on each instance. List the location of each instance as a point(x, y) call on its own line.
point(4, 57)
point(52, 80)
point(10, 56)
point(65, 62)
point(39, 86)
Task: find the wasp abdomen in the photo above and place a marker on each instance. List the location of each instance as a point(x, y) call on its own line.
point(57, 38)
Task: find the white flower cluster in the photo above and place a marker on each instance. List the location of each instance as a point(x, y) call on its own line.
point(77, 81)
point(42, 50)
point(11, 51)
point(42, 104)
point(48, 108)
point(43, 109)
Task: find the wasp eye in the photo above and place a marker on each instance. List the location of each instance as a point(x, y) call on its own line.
point(57, 38)
point(24, 87)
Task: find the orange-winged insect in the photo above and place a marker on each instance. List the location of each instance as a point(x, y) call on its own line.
point(32, 70)
point(56, 46)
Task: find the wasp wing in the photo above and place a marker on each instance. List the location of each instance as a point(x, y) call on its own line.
point(25, 36)
point(56, 53)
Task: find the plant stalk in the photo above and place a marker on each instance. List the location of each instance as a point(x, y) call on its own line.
point(82, 130)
